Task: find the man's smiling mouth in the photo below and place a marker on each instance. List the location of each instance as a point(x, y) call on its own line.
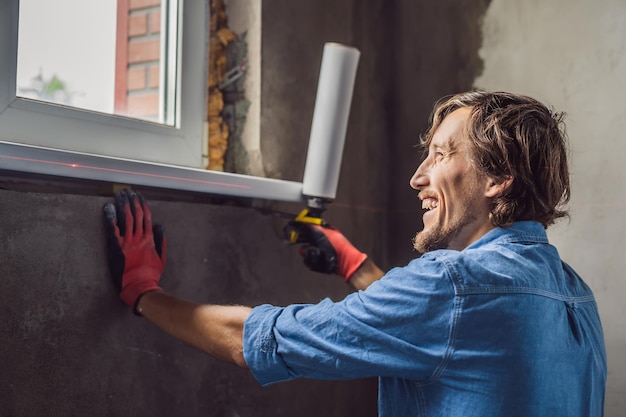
point(429, 204)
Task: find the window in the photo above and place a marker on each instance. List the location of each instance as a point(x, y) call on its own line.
point(165, 149)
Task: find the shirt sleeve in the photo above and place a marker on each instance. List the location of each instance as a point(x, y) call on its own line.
point(400, 326)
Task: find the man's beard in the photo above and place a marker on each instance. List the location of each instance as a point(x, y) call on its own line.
point(440, 237)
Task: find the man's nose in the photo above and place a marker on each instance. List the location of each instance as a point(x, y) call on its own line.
point(419, 178)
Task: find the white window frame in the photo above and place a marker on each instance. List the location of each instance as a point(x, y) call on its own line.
point(43, 138)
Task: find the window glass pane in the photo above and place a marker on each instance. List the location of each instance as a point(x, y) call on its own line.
point(99, 55)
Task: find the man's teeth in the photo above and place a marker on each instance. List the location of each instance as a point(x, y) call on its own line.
point(429, 204)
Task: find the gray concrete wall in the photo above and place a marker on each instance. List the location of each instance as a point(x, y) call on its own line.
point(71, 348)
point(572, 55)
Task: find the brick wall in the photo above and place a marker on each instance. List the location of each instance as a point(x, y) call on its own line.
point(137, 62)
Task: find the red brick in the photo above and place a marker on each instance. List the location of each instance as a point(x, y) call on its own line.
point(144, 50)
point(143, 104)
point(142, 4)
point(153, 76)
point(155, 21)
point(138, 24)
point(136, 78)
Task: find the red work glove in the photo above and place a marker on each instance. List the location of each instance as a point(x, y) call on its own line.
point(136, 249)
point(325, 249)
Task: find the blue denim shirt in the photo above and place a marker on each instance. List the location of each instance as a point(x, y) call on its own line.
point(502, 328)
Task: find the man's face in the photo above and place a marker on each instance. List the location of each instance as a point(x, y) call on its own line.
point(454, 193)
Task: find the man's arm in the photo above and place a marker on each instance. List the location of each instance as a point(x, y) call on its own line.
point(137, 253)
point(365, 275)
point(213, 329)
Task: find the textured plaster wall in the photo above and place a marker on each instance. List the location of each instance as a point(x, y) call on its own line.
point(572, 55)
point(70, 347)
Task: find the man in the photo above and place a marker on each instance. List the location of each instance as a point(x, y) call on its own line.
point(488, 321)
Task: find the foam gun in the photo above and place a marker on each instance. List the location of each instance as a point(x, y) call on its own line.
point(328, 131)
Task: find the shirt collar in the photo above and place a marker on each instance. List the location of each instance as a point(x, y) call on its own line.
point(523, 231)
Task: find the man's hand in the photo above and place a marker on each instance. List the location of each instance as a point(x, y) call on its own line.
point(325, 249)
point(136, 249)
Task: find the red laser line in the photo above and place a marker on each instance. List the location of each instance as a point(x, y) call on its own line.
point(374, 209)
point(121, 171)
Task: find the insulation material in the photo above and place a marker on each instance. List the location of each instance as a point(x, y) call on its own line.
point(220, 37)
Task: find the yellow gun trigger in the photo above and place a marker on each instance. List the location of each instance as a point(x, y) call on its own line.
point(303, 217)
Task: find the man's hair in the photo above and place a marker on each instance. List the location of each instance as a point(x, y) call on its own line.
point(515, 136)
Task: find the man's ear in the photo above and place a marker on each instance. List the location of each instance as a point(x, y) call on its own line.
point(497, 186)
